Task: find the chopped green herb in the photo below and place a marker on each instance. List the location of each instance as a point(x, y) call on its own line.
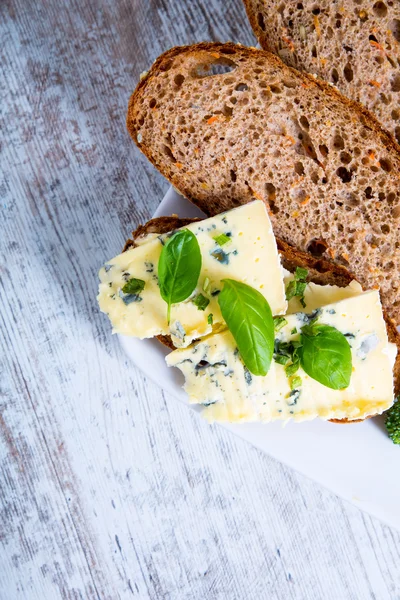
point(297, 286)
point(294, 330)
point(206, 285)
point(300, 274)
point(279, 322)
point(295, 382)
point(210, 319)
point(291, 290)
point(292, 368)
point(222, 239)
point(201, 302)
point(301, 287)
point(281, 359)
point(134, 286)
point(285, 352)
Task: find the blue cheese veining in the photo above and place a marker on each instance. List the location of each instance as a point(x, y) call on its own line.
point(217, 378)
point(238, 244)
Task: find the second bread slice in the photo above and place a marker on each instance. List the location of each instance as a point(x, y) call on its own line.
point(227, 124)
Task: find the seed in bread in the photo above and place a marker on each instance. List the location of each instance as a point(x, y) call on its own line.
point(227, 124)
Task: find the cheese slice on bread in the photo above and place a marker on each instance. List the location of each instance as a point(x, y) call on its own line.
point(208, 356)
point(239, 244)
point(217, 378)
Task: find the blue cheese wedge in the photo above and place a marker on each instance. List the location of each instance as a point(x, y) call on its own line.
point(217, 378)
point(238, 244)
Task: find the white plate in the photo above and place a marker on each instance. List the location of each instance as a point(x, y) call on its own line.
point(358, 462)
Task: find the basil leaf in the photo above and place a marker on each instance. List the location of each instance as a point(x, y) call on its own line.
point(133, 286)
point(179, 268)
point(249, 319)
point(201, 302)
point(222, 239)
point(325, 355)
point(210, 319)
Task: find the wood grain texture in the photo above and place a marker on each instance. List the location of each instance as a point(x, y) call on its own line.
point(110, 488)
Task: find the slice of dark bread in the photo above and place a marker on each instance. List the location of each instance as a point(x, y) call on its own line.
point(319, 271)
point(227, 124)
point(354, 45)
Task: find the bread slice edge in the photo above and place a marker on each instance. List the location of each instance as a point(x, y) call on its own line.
point(229, 49)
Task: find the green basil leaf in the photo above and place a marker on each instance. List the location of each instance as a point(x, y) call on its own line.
point(249, 319)
point(201, 302)
point(222, 239)
point(134, 286)
point(179, 268)
point(325, 355)
point(210, 319)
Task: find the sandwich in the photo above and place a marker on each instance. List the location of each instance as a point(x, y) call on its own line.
point(283, 303)
point(354, 46)
point(264, 332)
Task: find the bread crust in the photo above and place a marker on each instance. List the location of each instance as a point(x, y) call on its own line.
point(230, 49)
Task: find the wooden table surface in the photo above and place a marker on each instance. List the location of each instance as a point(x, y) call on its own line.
point(110, 488)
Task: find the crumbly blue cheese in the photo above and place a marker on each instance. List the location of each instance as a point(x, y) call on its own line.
point(249, 256)
point(217, 378)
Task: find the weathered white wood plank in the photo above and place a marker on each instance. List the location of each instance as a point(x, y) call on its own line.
point(108, 487)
